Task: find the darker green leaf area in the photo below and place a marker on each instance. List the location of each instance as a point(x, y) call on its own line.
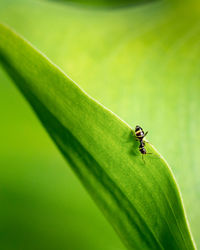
point(104, 3)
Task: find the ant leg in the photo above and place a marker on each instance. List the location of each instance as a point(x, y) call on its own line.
point(154, 155)
point(145, 134)
point(148, 142)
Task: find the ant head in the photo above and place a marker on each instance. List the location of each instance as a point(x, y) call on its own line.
point(137, 127)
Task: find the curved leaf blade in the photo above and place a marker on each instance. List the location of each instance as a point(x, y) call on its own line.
point(141, 201)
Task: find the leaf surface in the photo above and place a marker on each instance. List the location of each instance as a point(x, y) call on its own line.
point(104, 3)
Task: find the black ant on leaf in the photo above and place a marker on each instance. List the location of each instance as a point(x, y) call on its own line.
point(139, 133)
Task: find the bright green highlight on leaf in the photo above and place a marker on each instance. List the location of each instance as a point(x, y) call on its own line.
point(140, 200)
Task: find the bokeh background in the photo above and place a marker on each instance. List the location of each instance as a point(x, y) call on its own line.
point(141, 61)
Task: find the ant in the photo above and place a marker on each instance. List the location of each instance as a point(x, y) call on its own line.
point(139, 133)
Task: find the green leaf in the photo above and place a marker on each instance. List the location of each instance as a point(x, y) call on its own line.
point(104, 3)
point(140, 199)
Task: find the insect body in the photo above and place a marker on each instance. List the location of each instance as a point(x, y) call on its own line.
point(141, 148)
point(139, 133)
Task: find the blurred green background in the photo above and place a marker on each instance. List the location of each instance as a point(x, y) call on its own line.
point(142, 62)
